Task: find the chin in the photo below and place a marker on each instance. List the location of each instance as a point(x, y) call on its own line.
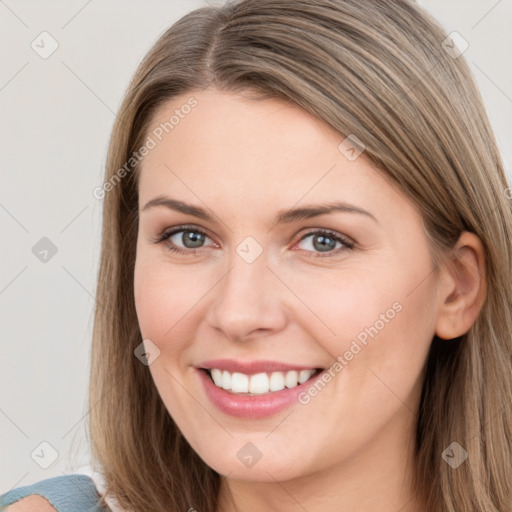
point(258, 461)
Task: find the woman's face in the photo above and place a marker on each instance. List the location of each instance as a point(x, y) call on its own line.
point(260, 295)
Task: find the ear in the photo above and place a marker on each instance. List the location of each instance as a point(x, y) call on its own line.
point(463, 289)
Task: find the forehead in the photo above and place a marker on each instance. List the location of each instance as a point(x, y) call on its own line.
point(251, 154)
point(230, 127)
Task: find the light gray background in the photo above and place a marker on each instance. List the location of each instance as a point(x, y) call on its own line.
point(55, 122)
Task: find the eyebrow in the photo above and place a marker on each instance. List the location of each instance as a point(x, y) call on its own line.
point(283, 217)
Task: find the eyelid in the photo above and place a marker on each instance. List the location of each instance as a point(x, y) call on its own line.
point(168, 232)
point(343, 238)
point(347, 242)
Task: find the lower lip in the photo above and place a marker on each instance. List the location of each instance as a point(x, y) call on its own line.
point(258, 406)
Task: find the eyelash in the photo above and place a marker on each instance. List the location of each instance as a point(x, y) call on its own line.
point(325, 232)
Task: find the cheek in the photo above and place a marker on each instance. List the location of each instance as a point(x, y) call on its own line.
point(378, 324)
point(339, 306)
point(152, 299)
point(163, 301)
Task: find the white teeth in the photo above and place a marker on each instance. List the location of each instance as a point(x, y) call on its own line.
point(226, 380)
point(304, 375)
point(239, 383)
point(291, 378)
point(276, 381)
point(217, 377)
point(259, 383)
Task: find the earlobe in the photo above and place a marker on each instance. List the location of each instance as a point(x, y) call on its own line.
point(463, 288)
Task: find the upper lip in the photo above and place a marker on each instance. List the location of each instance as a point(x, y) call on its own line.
point(252, 367)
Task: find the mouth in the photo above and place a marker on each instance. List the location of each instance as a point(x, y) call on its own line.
point(262, 383)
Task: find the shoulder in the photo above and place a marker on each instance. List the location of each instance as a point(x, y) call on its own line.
point(31, 503)
point(68, 493)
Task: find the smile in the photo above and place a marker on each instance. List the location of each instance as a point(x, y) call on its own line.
point(259, 383)
point(255, 389)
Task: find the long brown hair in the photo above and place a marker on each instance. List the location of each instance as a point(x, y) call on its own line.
point(381, 71)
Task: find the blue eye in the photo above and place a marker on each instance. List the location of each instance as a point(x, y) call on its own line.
point(190, 235)
point(323, 242)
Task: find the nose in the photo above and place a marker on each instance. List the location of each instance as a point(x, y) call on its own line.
point(248, 301)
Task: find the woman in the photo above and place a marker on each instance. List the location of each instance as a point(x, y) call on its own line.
point(304, 286)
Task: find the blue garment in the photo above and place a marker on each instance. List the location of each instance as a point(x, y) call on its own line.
point(68, 493)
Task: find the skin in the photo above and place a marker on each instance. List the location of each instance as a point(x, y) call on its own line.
point(349, 448)
point(32, 503)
